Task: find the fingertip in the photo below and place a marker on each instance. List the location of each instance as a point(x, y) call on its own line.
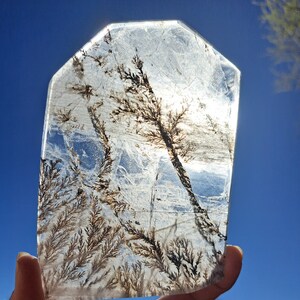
point(234, 257)
point(25, 256)
point(21, 254)
point(232, 267)
point(28, 278)
point(234, 248)
point(26, 264)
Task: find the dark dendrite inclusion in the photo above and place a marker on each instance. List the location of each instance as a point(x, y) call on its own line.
point(136, 165)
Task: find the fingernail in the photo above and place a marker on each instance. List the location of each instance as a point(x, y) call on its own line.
point(22, 254)
point(237, 247)
point(240, 249)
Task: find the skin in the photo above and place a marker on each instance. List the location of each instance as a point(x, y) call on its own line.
point(28, 283)
point(28, 280)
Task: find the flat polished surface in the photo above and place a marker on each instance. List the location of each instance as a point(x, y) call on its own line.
point(136, 164)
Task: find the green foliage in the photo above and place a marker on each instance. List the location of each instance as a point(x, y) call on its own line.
point(282, 19)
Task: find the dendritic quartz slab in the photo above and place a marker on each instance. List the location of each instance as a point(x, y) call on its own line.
point(136, 165)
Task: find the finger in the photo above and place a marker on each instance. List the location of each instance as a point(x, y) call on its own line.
point(28, 282)
point(232, 268)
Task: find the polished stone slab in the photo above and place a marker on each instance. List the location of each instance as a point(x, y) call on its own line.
point(136, 164)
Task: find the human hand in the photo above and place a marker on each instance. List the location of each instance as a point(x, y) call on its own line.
point(233, 264)
point(28, 284)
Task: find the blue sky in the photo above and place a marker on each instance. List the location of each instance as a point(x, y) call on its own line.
point(38, 37)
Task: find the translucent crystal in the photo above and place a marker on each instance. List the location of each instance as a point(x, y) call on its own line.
point(136, 164)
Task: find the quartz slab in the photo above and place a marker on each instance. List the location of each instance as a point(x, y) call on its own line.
point(136, 164)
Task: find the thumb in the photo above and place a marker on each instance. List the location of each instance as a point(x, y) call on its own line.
point(28, 282)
